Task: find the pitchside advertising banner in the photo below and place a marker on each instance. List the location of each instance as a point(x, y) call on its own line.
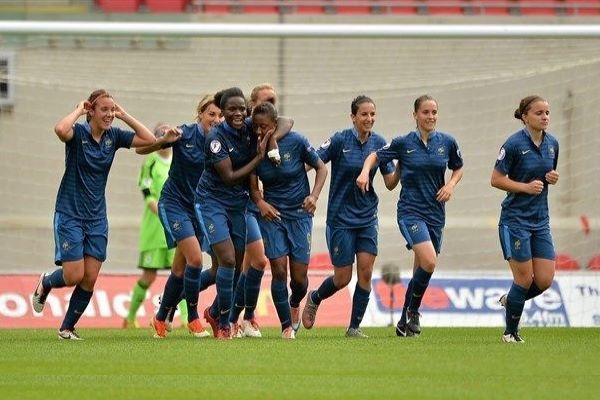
point(451, 300)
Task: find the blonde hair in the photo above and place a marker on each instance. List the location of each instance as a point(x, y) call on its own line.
point(203, 104)
point(258, 88)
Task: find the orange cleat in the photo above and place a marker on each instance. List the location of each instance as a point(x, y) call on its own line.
point(213, 322)
point(196, 329)
point(160, 328)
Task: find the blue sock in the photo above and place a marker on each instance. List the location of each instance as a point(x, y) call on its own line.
point(253, 279)
point(191, 290)
point(213, 309)
point(420, 281)
point(77, 305)
point(326, 290)
point(407, 297)
point(515, 301)
point(360, 301)
point(279, 292)
point(224, 293)
point(207, 278)
point(533, 291)
point(54, 280)
point(238, 299)
point(171, 294)
point(298, 292)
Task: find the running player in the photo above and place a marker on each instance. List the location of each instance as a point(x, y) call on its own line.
point(80, 223)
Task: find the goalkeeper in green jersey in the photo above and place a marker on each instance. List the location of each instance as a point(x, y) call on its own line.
point(154, 253)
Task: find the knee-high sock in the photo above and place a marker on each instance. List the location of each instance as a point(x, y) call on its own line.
point(407, 297)
point(238, 299)
point(360, 301)
point(138, 295)
point(533, 291)
point(515, 301)
point(56, 279)
point(77, 305)
point(279, 292)
point(326, 290)
point(298, 292)
point(170, 297)
point(253, 279)
point(207, 278)
point(225, 278)
point(191, 290)
point(420, 282)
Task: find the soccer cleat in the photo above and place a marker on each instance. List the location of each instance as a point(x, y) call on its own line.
point(295, 312)
point(402, 330)
point(355, 333)
point(196, 329)
point(512, 338)
point(250, 328)
point(502, 300)
point(413, 324)
point(310, 311)
point(211, 321)
point(236, 331)
point(160, 328)
point(67, 334)
point(127, 324)
point(38, 300)
point(288, 333)
point(223, 333)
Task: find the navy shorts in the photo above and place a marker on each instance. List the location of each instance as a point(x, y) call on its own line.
point(416, 231)
point(524, 244)
point(75, 237)
point(287, 237)
point(178, 223)
point(220, 224)
point(252, 229)
point(344, 243)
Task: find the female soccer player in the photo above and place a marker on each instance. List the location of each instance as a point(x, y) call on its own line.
point(232, 153)
point(80, 223)
point(423, 156)
point(526, 165)
point(286, 210)
point(179, 217)
point(351, 214)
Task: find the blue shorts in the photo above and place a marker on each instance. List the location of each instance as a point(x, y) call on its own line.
point(219, 224)
point(416, 231)
point(178, 223)
point(252, 229)
point(74, 238)
point(344, 243)
point(287, 237)
point(523, 244)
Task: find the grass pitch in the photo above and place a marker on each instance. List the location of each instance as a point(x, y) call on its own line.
point(561, 363)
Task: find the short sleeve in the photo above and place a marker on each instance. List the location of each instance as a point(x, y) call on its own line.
point(455, 160)
point(123, 138)
point(309, 154)
point(505, 159)
point(390, 151)
point(216, 148)
point(329, 149)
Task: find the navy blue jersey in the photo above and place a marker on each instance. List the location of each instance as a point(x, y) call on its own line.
point(523, 161)
point(240, 147)
point(186, 167)
point(347, 206)
point(286, 186)
point(422, 169)
point(87, 164)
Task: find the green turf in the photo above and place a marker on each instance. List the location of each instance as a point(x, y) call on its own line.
point(560, 363)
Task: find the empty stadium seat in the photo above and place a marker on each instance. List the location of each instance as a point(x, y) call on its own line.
point(215, 7)
point(564, 262)
point(309, 6)
point(118, 6)
point(539, 7)
point(320, 261)
point(256, 7)
point(594, 263)
point(491, 7)
point(582, 7)
point(167, 5)
point(443, 7)
point(351, 6)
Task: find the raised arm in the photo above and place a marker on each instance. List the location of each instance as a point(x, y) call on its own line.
point(284, 126)
point(143, 136)
point(232, 177)
point(171, 135)
point(363, 179)
point(64, 127)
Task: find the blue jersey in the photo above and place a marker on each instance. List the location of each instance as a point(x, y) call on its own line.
point(286, 186)
point(347, 206)
point(240, 147)
point(422, 169)
point(523, 161)
point(186, 167)
point(87, 164)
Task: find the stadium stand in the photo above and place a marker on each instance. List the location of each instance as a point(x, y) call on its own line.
point(320, 261)
point(565, 262)
point(167, 5)
point(119, 6)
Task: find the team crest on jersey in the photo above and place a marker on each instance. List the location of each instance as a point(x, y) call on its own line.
point(287, 157)
point(176, 226)
point(326, 144)
point(108, 142)
point(441, 151)
point(517, 244)
point(551, 151)
point(501, 154)
point(215, 146)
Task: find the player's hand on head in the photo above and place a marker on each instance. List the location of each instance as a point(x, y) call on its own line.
point(552, 177)
point(261, 147)
point(119, 111)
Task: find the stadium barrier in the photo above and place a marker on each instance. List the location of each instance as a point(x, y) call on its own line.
point(451, 300)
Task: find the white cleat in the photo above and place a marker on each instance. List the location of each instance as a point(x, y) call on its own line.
point(38, 299)
point(250, 328)
point(288, 333)
point(68, 335)
point(355, 333)
point(512, 338)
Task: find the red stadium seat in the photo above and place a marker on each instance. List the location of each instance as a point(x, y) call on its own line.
point(255, 7)
point(564, 262)
point(167, 5)
point(437, 7)
point(118, 6)
point(491, 7)
point(400, 7)
point(216, 7)
point(539, 7)
point(582, 7)
point(351, 6)
point(594, 263)
point(309, 6)
point(320, 261)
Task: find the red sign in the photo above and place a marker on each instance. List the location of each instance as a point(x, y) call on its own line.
point(112, 294)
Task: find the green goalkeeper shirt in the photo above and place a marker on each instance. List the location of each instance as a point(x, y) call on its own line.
point(153, 175)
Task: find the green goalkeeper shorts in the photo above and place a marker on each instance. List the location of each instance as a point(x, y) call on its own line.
point(156, 259)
